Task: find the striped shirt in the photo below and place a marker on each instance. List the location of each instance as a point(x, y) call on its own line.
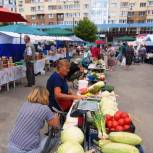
point(31, 118)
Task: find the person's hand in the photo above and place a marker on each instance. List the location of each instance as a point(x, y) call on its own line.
point(81, 97)
point(57, 120)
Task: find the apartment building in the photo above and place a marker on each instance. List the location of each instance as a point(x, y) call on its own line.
point(53, 11)
point(10, 4)
point(130, 11)
point(99, 11)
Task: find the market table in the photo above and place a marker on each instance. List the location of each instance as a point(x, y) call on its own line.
point(12, 74)
point(39, 65)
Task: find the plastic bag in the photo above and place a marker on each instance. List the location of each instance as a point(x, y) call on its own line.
point(123, 62)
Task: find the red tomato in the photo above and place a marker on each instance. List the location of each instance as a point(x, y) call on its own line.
point(121, 121)
point(124, 115)
point(114, 124)
point(109, 124)
point(117, 116)
point(126, 127)
point(119, 113)
point(119, 128)
point(127, 120)
point(108, 117)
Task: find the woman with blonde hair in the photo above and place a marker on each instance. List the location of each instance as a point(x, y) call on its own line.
point(25, 136)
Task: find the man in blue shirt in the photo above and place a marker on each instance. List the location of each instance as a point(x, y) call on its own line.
point(60, 96)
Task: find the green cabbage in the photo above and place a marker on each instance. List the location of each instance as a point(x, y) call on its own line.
point(70, 147)
point(73, 134)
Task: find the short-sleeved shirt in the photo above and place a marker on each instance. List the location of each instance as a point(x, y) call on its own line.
point(54, 81)
point(31, 118)
point(30, 51)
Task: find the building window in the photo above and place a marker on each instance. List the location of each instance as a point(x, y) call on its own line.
point(122, 21)
point(142, 13)
point(151, 3)
point(41, 16)
point(86, 14)
point(33, 17)
point(86, 6)
point(33, 9)
point(124, 4)
point(114, 4)
point(142, 4)
point(40, 8)
point(123, 13)
point(51, 16)
point(52, 7)
point(150, 20)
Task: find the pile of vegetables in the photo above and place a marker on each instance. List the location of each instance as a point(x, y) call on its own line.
point(96, 76)
point(71, 139)
point(121, 121)
point(120, 142)
point(73, 134)
point(108, 104)
point(94, 89)
point(99, 121)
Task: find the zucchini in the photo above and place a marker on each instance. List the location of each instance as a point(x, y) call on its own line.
point(118, 148)
point(125, 137)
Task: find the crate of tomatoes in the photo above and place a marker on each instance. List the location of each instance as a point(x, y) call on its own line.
point(121, 121)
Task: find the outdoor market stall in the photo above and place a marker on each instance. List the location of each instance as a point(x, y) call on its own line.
point(97, 123)
point(11, 74)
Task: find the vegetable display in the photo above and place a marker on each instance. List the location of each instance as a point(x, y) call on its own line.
point(95, 88)
point(118, 148)
point(125, 137)
point(73, 134)
point(108, 104)
point(70, 147)
point(121, 121)
point(100, 124)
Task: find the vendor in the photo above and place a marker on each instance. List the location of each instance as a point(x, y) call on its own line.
point(25, 136)
point(60, 96)
point(29, 58)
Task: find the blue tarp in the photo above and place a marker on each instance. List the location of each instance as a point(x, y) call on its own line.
point(14, 50)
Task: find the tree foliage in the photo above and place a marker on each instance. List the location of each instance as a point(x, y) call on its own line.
point(86, 30)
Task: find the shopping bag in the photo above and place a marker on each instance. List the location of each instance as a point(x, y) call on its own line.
point(123, 61)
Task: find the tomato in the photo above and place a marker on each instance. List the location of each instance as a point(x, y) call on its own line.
point(119, 128)
point(117, 116)
point(108, 117)
point(109, 124)
point(127, 120)
point(126, 127)
point(119, 113)
point(121, 121)
point(124, 115)
point(114, 124)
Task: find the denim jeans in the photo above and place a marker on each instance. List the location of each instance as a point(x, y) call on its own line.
point(13, 149)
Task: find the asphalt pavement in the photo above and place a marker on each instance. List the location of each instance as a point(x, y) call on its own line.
point(134, 87)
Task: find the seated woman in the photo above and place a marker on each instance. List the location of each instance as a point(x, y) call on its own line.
point(60, 97)
point(25, 136)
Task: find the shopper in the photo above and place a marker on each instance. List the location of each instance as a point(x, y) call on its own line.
point(29, 58)
point(110, 57)
point(129, 56)
point(25, 136)
point(60, 96)
point(142, 53)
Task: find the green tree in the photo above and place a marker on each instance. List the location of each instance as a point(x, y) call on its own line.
point(86, 30)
